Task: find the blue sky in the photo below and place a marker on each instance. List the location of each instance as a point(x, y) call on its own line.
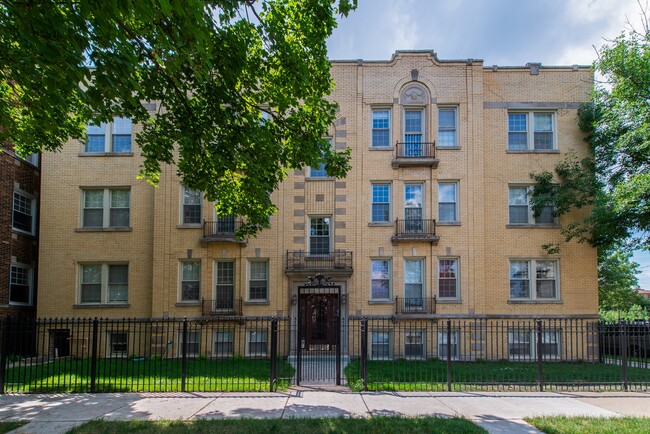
point(501, 32)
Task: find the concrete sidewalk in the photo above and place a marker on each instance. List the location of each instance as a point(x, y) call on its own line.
point(498, 412)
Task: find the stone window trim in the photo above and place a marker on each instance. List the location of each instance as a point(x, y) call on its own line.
point(532, 130)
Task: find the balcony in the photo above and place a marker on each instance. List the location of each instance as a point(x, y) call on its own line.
point(231, 307)
point(415, 305)
point(415, 230)
point(223, 230)
point(337, 263)
point(415, 154)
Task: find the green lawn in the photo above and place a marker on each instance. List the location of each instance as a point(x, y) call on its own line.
point(162, 375)
point(10, 426)
point(287, 426)
point(587, 425)
point(432, 375)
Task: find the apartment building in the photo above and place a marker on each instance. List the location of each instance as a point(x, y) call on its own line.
point(19, 196)
point(432, 220)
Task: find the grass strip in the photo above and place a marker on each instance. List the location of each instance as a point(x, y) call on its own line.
point(589, 425)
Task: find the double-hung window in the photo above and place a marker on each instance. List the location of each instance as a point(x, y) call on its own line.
point(531, 131)
point(448, 281)
point(380, 203)
point(258, 284)
point(520, 211)
point(522, 343)
point(190, 280)
point(448, 202)
point(20, 285)
point(380, 345)
point(23, 212)
point(319, 171)
point(414, 345)
point(192, 203)
point(413, 133)
point(224, 343)
point(112, 137)
point(106, 208)
point(256, 343)
point(380, 279)
point(534, 280)
point(118, 344)
point(104, 283)
point(224, 291)
point(380, 128)
point(413, 208)
point(319, 235)
point(413, 284)
point(192, 347)
point(447, 137)
point(448, 344)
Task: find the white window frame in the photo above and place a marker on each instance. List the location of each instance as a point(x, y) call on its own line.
point(531, 219)
point(104, 283)
point(106, 207)
point(530, 130)
point(30, 283)
point(249, 281)
point(532, 279)
point(531, 333)
point(191, 334)
point(373, 203)
point(183, 205)
point(330, 235)
point(423, 344)
point(390, 279)
point(454, 109)
point(32, 210)
point(442, 344)
point(389, 344)
point(457, 279)
point(414, 306)
point(372, 127)
point(320, 172)
point(109, 138)
point(182, 280)
point(455, 202)
point(223, 332)
point(249, 341)
point(422, 204)
point(216, 284)
point(110, 335)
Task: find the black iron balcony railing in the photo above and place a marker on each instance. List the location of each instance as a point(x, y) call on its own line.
point(230, 306)
point(415, 305)
point(336, 260)
point(415, 150)
point(220, 230)
point(415, 230)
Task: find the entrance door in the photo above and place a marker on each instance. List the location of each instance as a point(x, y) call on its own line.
point(320, 321)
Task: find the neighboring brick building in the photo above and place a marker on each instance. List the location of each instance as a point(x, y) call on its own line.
point(19, 196)
point(432, 220)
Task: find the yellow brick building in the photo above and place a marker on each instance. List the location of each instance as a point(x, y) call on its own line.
point(432, 220)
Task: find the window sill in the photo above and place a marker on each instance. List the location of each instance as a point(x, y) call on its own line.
point(190, 226)
point(529, 226)
point(381, 148)
point(15, 304)
point(380, 302)
point(533, 151)
point(535, 301)
point(103, 229)
point(447, 223)
point(100, 305)
point(188, 303)
point(106, 154)
point(450, 148)
point(320, 178)
point(257, 303)
point(22, 232)
point(449, 301)
point(381, 224)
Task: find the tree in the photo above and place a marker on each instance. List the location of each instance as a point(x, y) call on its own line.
point(617, 280)
point(215, 67)
point(615, 180)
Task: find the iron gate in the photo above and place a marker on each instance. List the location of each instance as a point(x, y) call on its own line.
point(318, 345)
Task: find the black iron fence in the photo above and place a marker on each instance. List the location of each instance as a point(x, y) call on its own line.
point(104, 355)
point(415, 228)
point(415, 305)
point(222, 306)
point(401, 352)
point(223, 228)
point(299, 260)
point(415, 149)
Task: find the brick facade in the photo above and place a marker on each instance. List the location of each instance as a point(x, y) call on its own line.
point(480, 240)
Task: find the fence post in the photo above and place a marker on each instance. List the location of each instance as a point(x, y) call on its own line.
point(274, 352)
point(93, 356)
point(624, 343)
point(184, 355)
point(540, 357)
point(449, 355)
point(364, 352)
point(4, 349)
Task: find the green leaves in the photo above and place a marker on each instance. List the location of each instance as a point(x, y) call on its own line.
point(211, 65)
